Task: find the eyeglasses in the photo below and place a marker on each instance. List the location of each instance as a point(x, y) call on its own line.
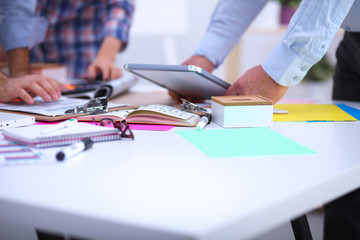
point(125, 131)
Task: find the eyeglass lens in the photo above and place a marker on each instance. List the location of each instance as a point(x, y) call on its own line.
point(107, 123)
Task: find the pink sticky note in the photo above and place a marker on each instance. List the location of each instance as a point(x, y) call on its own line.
point(47, 123)
point(150, 127)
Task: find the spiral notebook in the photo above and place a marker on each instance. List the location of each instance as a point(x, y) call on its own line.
point(33, 135)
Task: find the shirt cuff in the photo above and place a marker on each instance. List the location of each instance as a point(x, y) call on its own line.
point(15, 33)
point(213, 47)
point(285, 67)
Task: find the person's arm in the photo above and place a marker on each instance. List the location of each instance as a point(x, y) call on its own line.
point(16, 23)
point(15, 31)
point(19, 62)
point(116, 33)
point(306, 40)
point(229, 21)
point(308, 37)
point(104, 61)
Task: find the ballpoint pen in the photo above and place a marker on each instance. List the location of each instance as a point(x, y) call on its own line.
point(204, 120)
point(68, 123)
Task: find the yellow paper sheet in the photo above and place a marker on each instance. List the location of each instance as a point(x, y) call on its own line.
point(311, 112)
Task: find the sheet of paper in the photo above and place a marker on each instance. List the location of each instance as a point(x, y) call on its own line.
point(350, 110)
point(167, 110)
point(311, 112)
point(48, 108)
point(149, 127)
point(237, 142)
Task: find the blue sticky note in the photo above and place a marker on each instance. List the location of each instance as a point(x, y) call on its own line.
point(236, 142)
point(350, 110)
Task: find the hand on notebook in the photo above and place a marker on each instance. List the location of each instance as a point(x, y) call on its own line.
point(27, 87)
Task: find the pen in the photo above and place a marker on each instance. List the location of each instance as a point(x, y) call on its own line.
point(204, 120)
point(68, 123)
point(74, 149)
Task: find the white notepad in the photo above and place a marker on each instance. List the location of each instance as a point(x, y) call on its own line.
point(33, 136)
point(10, 120)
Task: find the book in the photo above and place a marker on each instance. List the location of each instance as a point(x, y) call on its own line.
point(91, 89)
point(34, 135)
point(151, 114)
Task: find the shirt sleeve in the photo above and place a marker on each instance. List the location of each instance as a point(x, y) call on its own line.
point(16, 23)
point(308, 37)
point(119, 18)
point(228, 22)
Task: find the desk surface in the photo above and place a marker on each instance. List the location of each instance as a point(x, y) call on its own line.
point(162, 187)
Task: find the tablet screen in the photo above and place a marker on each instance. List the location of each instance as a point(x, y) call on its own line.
point(186, 81)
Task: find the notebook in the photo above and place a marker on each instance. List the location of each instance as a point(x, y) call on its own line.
point(98, 88)
point(33, 135)
point(151, 114)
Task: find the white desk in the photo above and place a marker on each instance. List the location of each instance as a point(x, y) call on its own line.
point(162, 187)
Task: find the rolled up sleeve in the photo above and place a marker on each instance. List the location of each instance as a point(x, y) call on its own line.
point(228, 22)
point(119, 18)
point(308, 37)
point(16, 23)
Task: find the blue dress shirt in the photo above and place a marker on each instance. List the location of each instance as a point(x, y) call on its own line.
point(16, 23)
point(305, 42)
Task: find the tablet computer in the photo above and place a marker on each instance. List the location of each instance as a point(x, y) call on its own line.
point(184, 80)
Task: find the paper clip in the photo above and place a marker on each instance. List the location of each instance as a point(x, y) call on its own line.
point(94, 106)
point(191, 107)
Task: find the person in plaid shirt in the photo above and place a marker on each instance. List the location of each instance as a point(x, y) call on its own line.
point(85, 35)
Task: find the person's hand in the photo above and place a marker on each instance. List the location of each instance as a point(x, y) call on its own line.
point(105, 66)
point(200, 61)
point(29, 86)
point(257, 82)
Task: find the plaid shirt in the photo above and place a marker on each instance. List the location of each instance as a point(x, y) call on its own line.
point(76, 29)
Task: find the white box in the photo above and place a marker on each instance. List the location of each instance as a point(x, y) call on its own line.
point(242, 111)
